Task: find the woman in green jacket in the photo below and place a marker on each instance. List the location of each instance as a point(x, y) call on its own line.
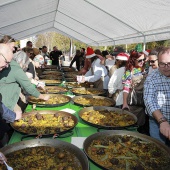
point(12, 80)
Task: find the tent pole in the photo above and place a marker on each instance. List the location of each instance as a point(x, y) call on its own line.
point(144, 44)
point(113, 45)
point(71, 48)
point(126, 47)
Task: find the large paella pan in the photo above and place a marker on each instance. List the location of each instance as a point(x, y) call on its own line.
point(67, 69)
point(52, 73)
point(51, 77)
point(45, 122)
point(76, 85)
point(70, 74)
point(107, 117)
point(88, 91)
point(51, 82)
point(53, 90)
point(89, 100)
point(55, 100)
point(44, 154)
point(125, 150)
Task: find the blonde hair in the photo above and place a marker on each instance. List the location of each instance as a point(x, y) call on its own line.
point(22, 58)
point(7, 39)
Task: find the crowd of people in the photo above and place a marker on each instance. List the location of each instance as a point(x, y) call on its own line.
point(122, 76)
point(136, 81)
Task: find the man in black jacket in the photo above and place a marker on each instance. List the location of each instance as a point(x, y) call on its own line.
point(55, 55)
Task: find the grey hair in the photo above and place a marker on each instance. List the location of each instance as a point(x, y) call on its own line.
point(22, 58)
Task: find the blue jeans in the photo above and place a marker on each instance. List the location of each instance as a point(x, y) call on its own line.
point(154, 130)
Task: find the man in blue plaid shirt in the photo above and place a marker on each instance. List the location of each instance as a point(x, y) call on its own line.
point(157, 98)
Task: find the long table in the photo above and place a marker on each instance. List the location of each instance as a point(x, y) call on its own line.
point(81, 129)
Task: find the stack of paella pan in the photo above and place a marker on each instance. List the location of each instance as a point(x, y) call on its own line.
point(111, 147)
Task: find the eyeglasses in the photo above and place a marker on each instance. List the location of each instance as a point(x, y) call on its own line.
point(152, 61)
point(7, 62)
point(162, 65)
point(11, 40)
point(139, 61)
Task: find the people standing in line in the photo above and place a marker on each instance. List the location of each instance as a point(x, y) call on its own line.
point(9, 41)
point(29, 52)
point(134, 78)
point(54, 56)
point(6, 114)
point(116, 51)
point(83, 57)
point(12, 80)
point(157, 98)
point(29, 44)
point(109, 59)
point(153, 61)
point(97, 73)
point(45, 54)
point(76, 59)
point(115, 86)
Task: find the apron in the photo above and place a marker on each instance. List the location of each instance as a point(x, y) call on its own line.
point(99, 83)
point(138, 111)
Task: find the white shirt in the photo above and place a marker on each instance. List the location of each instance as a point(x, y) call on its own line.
point(109, 63)
point(116, 83)
point(99, 71)
point(151, 70)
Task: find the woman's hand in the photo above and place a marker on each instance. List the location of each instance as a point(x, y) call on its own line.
point(18, 115)
point(2, 158)
point(44, 96)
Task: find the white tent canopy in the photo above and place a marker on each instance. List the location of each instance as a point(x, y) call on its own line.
point(94, 22)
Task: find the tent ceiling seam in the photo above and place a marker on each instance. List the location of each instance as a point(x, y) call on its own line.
point(9, 3)
point(146, 35)
point(114, 17)
point(32, 27)
point(77, 32)
point(68, 35)
point(34, 33)
point(28, 19)
point(56, 12)
point(85, 25)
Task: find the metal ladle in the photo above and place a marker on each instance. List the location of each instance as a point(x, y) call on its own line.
point(8, 167)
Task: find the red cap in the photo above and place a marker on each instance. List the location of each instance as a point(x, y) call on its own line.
point(90, 53)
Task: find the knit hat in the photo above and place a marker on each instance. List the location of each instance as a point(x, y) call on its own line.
point(122, 56)
point(90, 53)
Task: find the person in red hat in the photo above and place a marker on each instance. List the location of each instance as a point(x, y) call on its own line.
point(115, 86)
point(97, 73)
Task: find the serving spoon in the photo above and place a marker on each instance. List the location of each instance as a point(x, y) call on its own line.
point(8, 167)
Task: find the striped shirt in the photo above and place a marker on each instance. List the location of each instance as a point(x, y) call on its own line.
point(157, 94)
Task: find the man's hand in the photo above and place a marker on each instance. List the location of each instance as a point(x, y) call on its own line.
point(165, 129)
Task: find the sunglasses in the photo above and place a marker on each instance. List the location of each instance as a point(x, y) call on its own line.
point(139, 61)
point(152, 61)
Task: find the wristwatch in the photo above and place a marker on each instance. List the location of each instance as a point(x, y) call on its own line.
point(162, 119)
